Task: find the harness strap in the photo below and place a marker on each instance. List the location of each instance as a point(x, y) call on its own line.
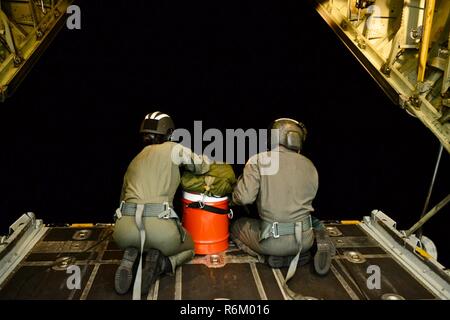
point(277, 229)
point(293, 266)
point(159, 210)
point(139, 211)
point(156, 210)
point(140, 225)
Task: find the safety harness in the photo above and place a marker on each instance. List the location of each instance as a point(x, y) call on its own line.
point(277, 229)
point(139, 211)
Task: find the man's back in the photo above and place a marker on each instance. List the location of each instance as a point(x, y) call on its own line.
point(152, 177)
point(285, 196)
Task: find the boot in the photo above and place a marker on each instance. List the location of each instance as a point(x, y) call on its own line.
point(156, 264)
point(124, 273)
point(325, 251)
point(284, 262)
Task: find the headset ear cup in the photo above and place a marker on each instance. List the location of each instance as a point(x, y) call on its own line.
point(294, 140)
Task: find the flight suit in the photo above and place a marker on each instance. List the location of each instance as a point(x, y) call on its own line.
point(284, 197)
point(153, 177)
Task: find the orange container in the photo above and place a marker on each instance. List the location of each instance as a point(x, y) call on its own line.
point(208, 230)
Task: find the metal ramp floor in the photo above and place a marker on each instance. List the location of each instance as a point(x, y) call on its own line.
point(42, 273)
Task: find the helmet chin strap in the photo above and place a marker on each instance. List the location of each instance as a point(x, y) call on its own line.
point(146, 139)
point(169, 135)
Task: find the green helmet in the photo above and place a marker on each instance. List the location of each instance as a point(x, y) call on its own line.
point(291, 134)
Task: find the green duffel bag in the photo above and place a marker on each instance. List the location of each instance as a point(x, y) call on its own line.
point(218, 181)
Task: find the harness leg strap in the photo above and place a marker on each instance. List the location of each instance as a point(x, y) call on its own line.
point(293, 266)
point(294, 262)
point(141, 228)
point(181, 230)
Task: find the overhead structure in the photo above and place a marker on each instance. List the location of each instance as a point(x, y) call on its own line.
point(26, 29)
point(404, 45)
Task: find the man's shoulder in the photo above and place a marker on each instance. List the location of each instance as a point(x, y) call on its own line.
point(168, 145)
point(305, 159)
point(165, 147)
point(256, 158)
point(307, 162)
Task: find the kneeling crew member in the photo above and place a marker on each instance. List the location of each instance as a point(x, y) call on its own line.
point(284, 200)
point(146, 221)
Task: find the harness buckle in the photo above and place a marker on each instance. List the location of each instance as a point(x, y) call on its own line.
point(201, 203)
point(275, 232)
point(230, 215)
point(310, 222)
point(118, 214)
point(166, 213)
point(167, 210)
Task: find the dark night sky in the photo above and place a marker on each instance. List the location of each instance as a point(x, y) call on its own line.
point(71, 128)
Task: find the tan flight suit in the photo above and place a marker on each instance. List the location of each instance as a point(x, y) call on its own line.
point(152, 177)
point(282, 197)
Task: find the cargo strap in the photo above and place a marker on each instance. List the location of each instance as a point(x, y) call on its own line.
point(158, 210)
point(276, 230)
point(203, 206)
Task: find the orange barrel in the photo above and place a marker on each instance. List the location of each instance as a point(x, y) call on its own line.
point(208, 230)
